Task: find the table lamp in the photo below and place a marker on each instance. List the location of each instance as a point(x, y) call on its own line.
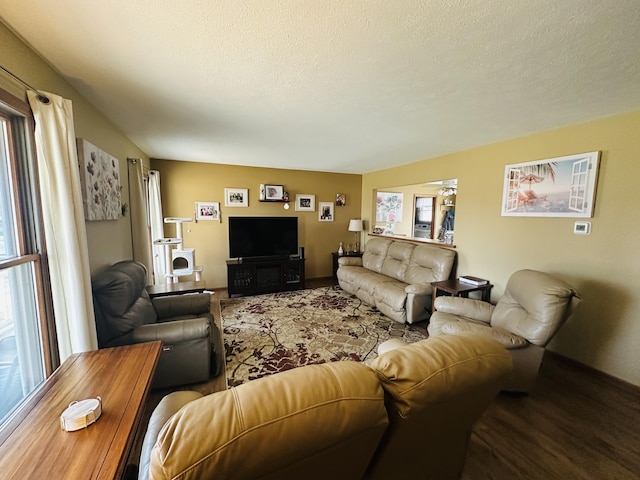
point(355, 225)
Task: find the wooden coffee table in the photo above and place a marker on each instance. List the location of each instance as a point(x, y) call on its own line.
point(33, 444)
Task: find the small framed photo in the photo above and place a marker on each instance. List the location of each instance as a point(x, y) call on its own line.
point(325, 211)
point(377, 230)
point(236, 197)
point(305, 203)
point(341, 199)
point(273, 193)
point(208, 211)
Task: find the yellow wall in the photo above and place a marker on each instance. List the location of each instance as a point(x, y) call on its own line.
point(109, 241)
point(184, 183)
point(604, 266)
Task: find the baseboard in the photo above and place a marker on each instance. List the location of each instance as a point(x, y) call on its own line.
point(575, 364)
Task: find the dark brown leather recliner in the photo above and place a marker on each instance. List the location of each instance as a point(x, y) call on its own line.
point(125, 314)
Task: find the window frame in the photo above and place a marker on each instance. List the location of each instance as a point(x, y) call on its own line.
point(29, 229)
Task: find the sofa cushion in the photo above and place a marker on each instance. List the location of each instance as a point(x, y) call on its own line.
point(391, 293)
point(429, 264)
point(375, 253)
point(361, 278)
point(318, 421)
point(397, 260)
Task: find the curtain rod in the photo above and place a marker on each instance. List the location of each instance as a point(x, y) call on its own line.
point(134, 161)
point(43, 98)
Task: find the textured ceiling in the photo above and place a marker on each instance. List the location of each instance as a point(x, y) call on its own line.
point(337, 85)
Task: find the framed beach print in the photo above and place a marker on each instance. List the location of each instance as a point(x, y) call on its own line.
point(555, 187)
point(236, 197)
point(305, 203)
point(208, 211)
point(325, 211)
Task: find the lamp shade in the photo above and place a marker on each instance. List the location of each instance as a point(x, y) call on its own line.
point(355, 225)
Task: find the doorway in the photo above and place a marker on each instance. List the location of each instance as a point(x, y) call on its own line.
point(423, 216)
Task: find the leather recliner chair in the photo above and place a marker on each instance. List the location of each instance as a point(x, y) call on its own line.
point(407, 414)
point(125, 314)
point(534, 306)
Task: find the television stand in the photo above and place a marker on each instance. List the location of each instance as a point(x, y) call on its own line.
point(266, 275)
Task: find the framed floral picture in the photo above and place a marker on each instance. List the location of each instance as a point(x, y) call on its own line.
point(325, 211)
point(100, 182)
point(236, 197)
point(388, 207)
point(305, 203)
point(208, 211)
point(555, 187)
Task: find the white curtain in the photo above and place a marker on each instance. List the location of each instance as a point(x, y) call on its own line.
point(66, 236)
point(139, 217)
point(157, 227)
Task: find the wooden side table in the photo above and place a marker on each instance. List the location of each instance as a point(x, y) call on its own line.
point(336, 256)
point(456, 288)
point(33, 444)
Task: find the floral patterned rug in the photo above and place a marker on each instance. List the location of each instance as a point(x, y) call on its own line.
point(266, 334)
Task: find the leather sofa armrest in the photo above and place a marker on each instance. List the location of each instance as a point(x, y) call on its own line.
point(173, 332)
point(350, 261)
point(465, 307)
point(419, 289)
point(507, 339)
point(176, 305)
point(167, 407)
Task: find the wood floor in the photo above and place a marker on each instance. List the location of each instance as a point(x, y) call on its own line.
point(576, 424)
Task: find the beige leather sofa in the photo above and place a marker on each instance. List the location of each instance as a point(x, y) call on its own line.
point(408, 414)
point(395, 276)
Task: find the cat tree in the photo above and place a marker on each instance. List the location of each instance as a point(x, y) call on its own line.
point(180, 261)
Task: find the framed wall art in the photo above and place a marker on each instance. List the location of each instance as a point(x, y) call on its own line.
point(208, 211)
point(100, 182)
point(555, 187)
point(236, 197)
point(273, 193)
point(389, 207)
point(341, 199)
point(325, 211)
point(305, 203)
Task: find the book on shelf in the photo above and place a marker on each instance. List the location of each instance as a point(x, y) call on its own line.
point(471, 280)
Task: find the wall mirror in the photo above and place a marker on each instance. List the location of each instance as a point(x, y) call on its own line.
point(424, 211)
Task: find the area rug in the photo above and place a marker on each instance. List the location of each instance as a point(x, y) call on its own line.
point(266, 334)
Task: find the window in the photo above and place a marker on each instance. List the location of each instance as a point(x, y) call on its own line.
point(25, 353)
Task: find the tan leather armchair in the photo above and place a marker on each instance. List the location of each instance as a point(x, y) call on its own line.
point(407, 415)
point(533, 308)
point(125, 314)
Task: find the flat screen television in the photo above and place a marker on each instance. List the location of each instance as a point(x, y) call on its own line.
point(260, 237)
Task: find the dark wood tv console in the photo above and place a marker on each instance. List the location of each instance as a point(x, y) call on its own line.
point(252, 277)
